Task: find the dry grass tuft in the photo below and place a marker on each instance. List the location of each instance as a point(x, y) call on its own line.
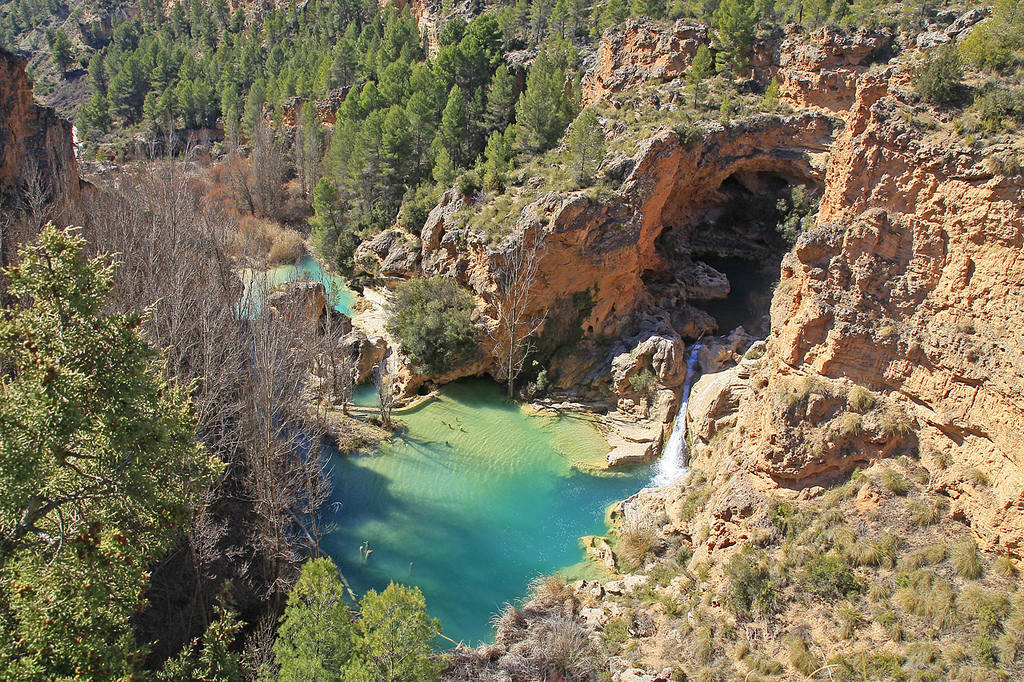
point(967, 559)
point(861, 399)
point(636, 540)
point(287, 248)
point(894, 482)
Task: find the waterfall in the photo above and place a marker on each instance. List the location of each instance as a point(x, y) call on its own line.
point(672, 464)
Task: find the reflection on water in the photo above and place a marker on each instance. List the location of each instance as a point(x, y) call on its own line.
point(472, 500)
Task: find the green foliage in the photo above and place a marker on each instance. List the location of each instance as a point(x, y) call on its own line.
point(752, 588)
point(771, 96)
point(433, 320)
point(995, 44)
point(642, 381)
point(94, 118)
point(546, 106)
point(397, 636)
point(209, 658)
point(99, 468)
point(735, 27)
point(497, 160)
point(585, 146)
point(829, 576)
point(60, 48)
point(334, 236)
point(796, 213)
point(316, 639)
point(939, 79)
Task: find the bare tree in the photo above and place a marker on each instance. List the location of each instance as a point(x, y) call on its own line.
point(308, 147)
point(268, 171)
point(386, 381)
point(516, 323)
point(249, 372)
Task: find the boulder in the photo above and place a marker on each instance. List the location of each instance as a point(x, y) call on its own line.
point(305, 298)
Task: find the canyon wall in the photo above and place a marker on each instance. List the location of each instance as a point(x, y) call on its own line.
point(36, 145)
point(910, 288)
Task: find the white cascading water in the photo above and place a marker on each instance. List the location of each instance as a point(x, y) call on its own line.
point(672, 464)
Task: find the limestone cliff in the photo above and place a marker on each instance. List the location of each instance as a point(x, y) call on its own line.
point(35, 144)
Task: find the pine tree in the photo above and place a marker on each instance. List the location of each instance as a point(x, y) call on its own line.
point(452, 132)
point(60, 48)
point(97, 74)
point(211, 657)
point(501, 100)
point(253, 112)
point(701, 68)
point(497, 155)
point(316, 640)
point(94, 118)
point(545, 107)
point(585, 144)
point(397, 636)
point(771, 96)
point(444, 170)
point(735, 24)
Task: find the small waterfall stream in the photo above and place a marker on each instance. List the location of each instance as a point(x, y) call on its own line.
point(672, 464)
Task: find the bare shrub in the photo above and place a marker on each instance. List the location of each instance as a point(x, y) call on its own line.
point(288, 247)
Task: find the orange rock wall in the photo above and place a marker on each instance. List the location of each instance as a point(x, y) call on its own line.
point(31, 134)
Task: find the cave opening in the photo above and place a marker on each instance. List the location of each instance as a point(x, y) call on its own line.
point(719, 269)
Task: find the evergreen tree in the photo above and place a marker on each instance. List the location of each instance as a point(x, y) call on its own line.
point(253, 112)
point(209, 658)
point(497, 155)
point(451, 134)
point(444, 170)
point(585, 144)
point(397, 636)
point(701, 68)
point(94, 118)
point(316, 639)
point(501, 99)
point(771, 96)
point(127, 91)
point(545, 107)
point(99, 468)
point(97, 74)
point(735, 25)
point(60, 48)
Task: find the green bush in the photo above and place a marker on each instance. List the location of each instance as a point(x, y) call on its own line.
point(829, 576)
point(939, 79)
point(468, 184)
point(432, 319)
point(751, 586)
point(641, 382)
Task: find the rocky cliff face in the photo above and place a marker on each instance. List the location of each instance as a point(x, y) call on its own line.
point(35, 144)
point(906, 298)
point(597, 257)
point(639, 52)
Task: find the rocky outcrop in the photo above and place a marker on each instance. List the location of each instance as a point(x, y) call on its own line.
point(895, 327)
point(300, 299)
point(820, 71)
point(37, 152)
point(591, 282)
point(637, 53)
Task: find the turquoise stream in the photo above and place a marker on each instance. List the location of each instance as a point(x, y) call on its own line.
point(305, 268)
point(472, 500)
